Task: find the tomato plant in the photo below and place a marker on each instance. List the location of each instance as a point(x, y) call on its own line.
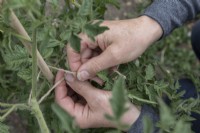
point(33, 37)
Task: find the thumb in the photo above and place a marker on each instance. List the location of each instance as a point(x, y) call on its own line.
point(84, 89)
point(109, 58)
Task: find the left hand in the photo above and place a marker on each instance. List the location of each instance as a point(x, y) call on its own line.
point(88, 104)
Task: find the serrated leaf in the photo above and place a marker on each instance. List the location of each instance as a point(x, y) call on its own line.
point(65, 35)
point(149, 72)
point(75, 42)
point(92, 30)
point(53, 43)
point(25, 74)
point(166, 114)
point(17, 59)
point(119, 99)
point(4, 128)
point(67, 121)
point(46, 52)
point(86, 8)
point(103, 75)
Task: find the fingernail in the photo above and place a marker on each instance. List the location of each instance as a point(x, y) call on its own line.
point(83, 75)
point(69, 77)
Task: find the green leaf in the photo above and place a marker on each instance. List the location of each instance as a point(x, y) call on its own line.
point(149, 72)
point(54, 2)
point(103, 75)
point(92, 30)
point(118, 102)
point(119, 99)
point(4, 128)
point(148, 125)
point(65, 35)
point(75, 42)
point(166, 115)
point(86, 8)
point(25, 74)
point(17, 58)
point(67, 121)
point(53, 43)
point(182, 127)
point(46, 52)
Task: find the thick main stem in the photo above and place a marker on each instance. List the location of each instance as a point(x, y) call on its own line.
point(34, 65)
point(39, 116)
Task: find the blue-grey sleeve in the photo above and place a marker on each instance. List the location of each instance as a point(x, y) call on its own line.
point(171, 14)
point(146, 111)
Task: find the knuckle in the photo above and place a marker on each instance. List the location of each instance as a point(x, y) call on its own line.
point(77, 86)
point(115, 54)
point(95, 66)
point(99, 99)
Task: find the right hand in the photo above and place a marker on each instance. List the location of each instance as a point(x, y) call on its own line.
point(88, 104)
point(123, 42)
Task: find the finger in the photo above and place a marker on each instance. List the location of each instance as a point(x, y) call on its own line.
point(109, 58)
point(74, 58)
point(115, 68)
point(61, 94)
point(98, 80)
point(85, 55)
point(84, 89)
point(61, 90)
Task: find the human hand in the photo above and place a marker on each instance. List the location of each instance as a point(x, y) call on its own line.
point(88, 104)
point(123, 42)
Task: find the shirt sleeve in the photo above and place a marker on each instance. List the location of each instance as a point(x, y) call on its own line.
point(171, 14)
point(146, 111)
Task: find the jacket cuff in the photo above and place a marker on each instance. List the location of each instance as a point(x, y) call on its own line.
point(138, 126)
point(171, 14)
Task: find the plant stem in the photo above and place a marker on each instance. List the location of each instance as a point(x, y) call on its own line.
point(34, 65)
point(50, 90)
point(11, 109)
point(39, 116)
point(141, 100)
point(6, 104)
point(120, 74)
point(7, 113)
point(59, 69)
point(30, 97)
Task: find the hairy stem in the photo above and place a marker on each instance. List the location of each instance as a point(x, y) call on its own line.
point(34, 66)
point(50, 90)
point(59, 69)
point(6, 104)
point(120, 74)
point(141, 100)
point(39, 116)
point(13, 108)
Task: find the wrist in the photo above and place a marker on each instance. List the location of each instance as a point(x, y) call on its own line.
point(152, 29)
point(131, 116)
